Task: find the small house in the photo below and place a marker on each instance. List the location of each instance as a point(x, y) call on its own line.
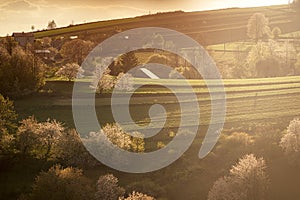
point(23, 38)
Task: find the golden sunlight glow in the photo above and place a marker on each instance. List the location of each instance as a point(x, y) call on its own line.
point(37, 13)
point(240, 3)
point(247, 3)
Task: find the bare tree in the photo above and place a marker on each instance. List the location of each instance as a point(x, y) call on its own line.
point(51, 25)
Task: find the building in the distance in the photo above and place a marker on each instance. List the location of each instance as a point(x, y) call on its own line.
point(23, 38)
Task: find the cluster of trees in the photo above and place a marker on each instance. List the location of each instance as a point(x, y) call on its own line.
point(51, 142)
point(268, 57)
point(76, 50)
point(251, 177)
point(57, 52)
point(20, 70)
point(48, 141)
point(71, 183)
point(271, 59)
point(64, 53)
point(107, 82)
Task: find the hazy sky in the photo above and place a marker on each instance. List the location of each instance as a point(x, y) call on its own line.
point(20, 15)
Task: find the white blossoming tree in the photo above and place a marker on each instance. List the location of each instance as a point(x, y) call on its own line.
point(70, 71)
point(246, 180)
point(117, 136)
point(103, 81)
point(137, 196)
point(107, 188)
point(124, 82)
point(103, 143)
point(38, 139)
point(258, 27)
point(70, 151)
point(290, 142)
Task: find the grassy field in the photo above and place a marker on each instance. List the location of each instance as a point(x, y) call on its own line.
point(247, 100)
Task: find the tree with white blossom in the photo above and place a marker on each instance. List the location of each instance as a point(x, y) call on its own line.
point(290, 142)
point(111, 136)
point(70, 71)
point(117, 136)
point(38, 139)
point(246, 180)
point(124, 82)
point(70, 151)
point(108, 188)
point(258, 27)
point(137, 196)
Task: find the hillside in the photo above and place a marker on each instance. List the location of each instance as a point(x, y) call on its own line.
point(207, 27)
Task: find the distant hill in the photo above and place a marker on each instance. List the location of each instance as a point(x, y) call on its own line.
point(207, 27)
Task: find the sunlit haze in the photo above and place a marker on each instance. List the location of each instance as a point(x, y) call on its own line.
point(20, 15)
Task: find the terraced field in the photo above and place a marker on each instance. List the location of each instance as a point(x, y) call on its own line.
point(248, 100)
